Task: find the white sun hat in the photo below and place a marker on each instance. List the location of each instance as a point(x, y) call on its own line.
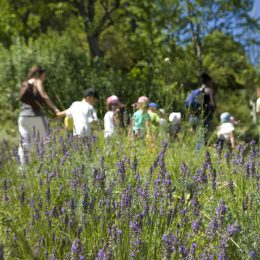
point(175, 117)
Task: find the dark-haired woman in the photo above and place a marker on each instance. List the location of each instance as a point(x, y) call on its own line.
point(32, 123)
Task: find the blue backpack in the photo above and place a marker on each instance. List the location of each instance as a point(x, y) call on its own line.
point(195, 99)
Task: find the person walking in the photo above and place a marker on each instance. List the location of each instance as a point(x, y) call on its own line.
point(155, 118)
point(111, 118)
point(209, 104)
point(201, 104)
point(141, 120)
point(83, 113)
point(32, 123)
point(226, 131)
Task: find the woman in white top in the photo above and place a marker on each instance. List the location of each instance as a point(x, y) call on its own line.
point(32, 123)
point(111, 120)
point(226, 130)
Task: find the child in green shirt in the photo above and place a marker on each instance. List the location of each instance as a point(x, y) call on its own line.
point(155, 119)
point(141, 118)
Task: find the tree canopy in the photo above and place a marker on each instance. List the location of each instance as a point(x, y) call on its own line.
point(157, 48)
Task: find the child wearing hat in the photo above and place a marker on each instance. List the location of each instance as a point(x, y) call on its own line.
point(226, 131)
point(155, 119)
point(175, 125)
point(141, 119)
point(83, 113)
point(111, 118)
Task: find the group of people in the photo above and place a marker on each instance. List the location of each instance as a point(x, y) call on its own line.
point(146, 121)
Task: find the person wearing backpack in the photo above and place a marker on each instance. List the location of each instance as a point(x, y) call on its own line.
point(32, 123)
point(209, 103)
point(201, 106)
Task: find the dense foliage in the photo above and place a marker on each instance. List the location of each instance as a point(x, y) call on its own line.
point(128, 48)
point(87, 199)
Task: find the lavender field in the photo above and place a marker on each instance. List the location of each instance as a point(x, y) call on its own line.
point(85, 199)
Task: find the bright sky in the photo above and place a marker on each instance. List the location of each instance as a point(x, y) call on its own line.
point(254, 52)
point(256, 10)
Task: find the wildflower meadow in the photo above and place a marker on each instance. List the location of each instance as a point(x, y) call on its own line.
point(82, 198)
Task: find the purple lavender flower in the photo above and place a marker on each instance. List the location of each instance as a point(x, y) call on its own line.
point(101, 177)
point(193, 249)
point(252, 255)
point(126, 198)
point(221, 211)
point(40, 182)
point(48, 194)
point(207, 256)
point(212, 229)
point(135, 226)
point(167, 181)
point(137, 178)
point(22, 197)
point(231, 186)
point(195, 206)
point(54, 211)
point(5, 185)
point(73, 247)
point(154, 166)
point(250, 168)
point(222, 247)
point(72, 204)
point(169, 243)
point(213, 179)
point(121, 170)
point(247, 169)
point(63, 159)
point(183, 250)
point(196, 225)
point(253, 153)
point(241, 154)
point(135, 235)
point(61, 141)
point(142, 193)
point(233, 229)
point(185, 170)
point(134, 164)
point(207, 165)
point(76, 247)
point(219, 151)
point(200, 177)
point(115, 235)
point(208, 158)
point(5, 197)
point(227, 157)
point(36, 252)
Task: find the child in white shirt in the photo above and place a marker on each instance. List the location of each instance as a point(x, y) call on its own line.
point(83, 113)
point(226, 130)
point(111, 120)
point(175, 125)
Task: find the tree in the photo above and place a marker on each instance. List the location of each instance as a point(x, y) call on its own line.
point(96, 16)
point(29, 19)
point(201, 18)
